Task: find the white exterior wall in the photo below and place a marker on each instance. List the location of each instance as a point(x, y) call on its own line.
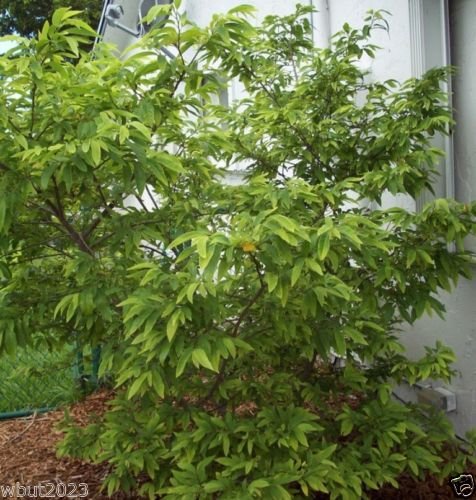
point(202, 12)
point(458, 331)
point(463, 23)
point(394, 58)
point(397, 60)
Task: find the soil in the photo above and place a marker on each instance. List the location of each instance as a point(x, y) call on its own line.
point(28, 456)
point(28, 450)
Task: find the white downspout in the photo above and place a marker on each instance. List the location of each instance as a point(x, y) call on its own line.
point(320, 22)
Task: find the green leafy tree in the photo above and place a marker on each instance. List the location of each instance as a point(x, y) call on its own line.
point(222, 309)
point(26, 17)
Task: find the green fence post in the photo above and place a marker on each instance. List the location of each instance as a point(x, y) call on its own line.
point(96, 359)
point(79, 367)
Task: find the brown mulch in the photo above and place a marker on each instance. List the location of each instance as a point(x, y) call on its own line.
point(28, 456)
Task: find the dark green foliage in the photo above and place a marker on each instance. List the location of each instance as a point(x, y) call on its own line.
point(26, 17)
point(221, 308)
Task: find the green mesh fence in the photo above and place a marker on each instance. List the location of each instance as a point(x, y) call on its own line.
point(32, 379)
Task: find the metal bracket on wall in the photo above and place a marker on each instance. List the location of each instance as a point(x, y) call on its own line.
point(113, 14)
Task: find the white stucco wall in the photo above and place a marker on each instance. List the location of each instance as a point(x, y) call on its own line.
point(458, 331)
point(393, 61)
point(202, 12)
point(463, 23)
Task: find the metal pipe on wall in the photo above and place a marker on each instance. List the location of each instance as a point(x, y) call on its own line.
point(320, 22)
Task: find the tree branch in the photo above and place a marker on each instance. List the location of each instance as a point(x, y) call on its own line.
point(221, 375)
point(151, 197)
point(106, 212)
point(142, 204)
point(155, 250)
point(33, 105)
point(59, 212)
point(245, 311)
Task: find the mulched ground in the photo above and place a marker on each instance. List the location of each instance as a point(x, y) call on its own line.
point(27, 456)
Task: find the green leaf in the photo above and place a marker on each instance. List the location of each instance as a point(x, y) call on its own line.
point(140, 178)
point(67, 176)
point(201, 243)
point(285, 236)
point(61, 14)
point(46, 175)
point(20, 139)
point(317, 484)
point(96, 152)
point(346, 427)
point(136, 385)
point(383, 394)
point(296, 272)
point(414, 467)
point(186, 237)
point(301, 437)
point(172, 325)
point(230, 345)
point(200, 358)
point(9, 340)
point(158, 384)
point(314, 266)
point(243, 9)
point(141, 128)
point(340, 343)
point(123, 134)
point(182, 362)
point(170, 162)
point(73, 306)
point(191, 291)
point(425, 256)
point(258, 484)
point(326, 453)
point(355, 335)
point(411, 256)
point(3, 211)
point(4, 269)
point(272, 280)
point(323, 246)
